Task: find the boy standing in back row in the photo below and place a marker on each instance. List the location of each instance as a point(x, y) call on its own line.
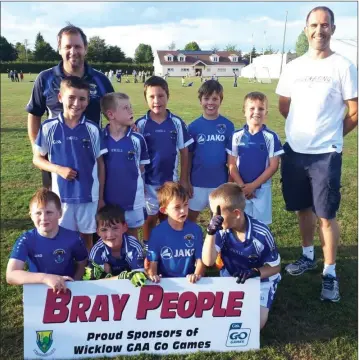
point(207, 155)
point(74, 148)
point(166, 136)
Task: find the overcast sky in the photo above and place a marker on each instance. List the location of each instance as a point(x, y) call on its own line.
point(126, 24)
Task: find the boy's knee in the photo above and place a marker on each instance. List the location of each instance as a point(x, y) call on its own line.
point(263, 316)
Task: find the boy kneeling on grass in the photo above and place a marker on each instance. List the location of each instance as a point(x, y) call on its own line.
point(247, 246)
point(53, 254)
point(116, 255)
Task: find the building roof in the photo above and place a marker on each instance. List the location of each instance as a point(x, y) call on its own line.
point(194, 56)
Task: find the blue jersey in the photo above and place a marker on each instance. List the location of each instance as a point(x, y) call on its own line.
point(77, 148)
point(124, 183)
point(254, 151)
point(259, 248)
point(175, 251)
point(45, 92)
point(131, 256)
point(164, 142)
point(209, 160)
point(55, 256)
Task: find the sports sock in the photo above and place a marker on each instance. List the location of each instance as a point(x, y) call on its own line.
point(308, 251)
point(329, 270)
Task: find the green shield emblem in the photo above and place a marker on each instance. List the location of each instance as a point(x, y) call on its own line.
point(44, 340)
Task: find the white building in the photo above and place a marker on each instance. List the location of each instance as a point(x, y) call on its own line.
point(205, 63)
point(267, 66)
point(347, 48)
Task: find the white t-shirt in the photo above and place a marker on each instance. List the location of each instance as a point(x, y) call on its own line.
point(317, 88)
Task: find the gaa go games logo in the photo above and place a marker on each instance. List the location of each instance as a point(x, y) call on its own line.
point(237, 336)
point(44, 342)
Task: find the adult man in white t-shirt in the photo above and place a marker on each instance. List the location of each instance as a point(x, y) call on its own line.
point(319, 99)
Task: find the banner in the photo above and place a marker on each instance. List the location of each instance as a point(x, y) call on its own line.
point(110, 318)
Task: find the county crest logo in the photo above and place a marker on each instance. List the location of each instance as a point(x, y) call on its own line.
point(44, 342)
point(221, 128)
point(189, 240)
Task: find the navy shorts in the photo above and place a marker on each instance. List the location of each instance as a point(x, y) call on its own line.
point(311, 180)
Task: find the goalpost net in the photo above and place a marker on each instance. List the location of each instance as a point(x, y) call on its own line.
point(262, 75)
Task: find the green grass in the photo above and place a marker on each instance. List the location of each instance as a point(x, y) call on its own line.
point(300, 327)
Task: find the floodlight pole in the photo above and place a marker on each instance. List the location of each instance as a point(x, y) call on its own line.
point(285, 29)
point(264, 42)
point(250, 54)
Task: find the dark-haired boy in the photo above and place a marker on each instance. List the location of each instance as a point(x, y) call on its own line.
point(74, 148)
point(166, 136)
point(207, 155)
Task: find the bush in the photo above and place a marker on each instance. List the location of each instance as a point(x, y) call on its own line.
point(36, 67)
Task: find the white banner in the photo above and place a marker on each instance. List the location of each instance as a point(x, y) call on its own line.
point(111, 318)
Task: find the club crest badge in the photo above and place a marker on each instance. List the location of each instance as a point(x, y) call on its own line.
point(44, 340)
point(221, 128)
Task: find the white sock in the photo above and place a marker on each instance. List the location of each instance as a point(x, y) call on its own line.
point(329, 270)
point(308, 251)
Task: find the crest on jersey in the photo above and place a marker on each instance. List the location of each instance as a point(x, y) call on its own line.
point(221, 128)
point(131, 155)
point(262, 146)
point(189, 240)
point(44, 340)
point(93, 89)
point(59, 255)
point(86, 143)
point(173, 134)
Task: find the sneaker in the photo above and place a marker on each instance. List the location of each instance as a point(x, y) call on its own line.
point(300, 266)
point(330, 288)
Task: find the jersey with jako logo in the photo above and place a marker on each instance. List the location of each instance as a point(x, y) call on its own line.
point(254, 151)
point(164, 142)
point(124, 183)
point(209, 153)
point(175, 251)
point(258, 249)
point(77, 148)
point(131, 256)
point(55, 256)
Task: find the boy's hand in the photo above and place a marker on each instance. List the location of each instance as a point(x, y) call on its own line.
point(248, 190)
point(216, 222)
point(95, 272)
point(193, 278)
point(57, 282)
point(134, 128)
point(190, 190)
point(137, 278)
point(66, 172)
point(243, 275)
point(154, 278)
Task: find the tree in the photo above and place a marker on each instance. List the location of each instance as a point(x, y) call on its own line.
point(192, 46)
point(250, 56)
point(172, 46)
point(114, 54)
point(301, 46)
point(7, 50)
point(269, 51)
point(43, 50)
point(97, 49)
point(214, 49)
point(21, 52)
point(143, 54)
point(230, 48)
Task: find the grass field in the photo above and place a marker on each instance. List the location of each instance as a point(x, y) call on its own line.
point(300, 326)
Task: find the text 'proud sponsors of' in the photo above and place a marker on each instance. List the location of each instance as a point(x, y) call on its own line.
point(107, 318)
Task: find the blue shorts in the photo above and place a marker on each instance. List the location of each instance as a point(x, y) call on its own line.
point(311, 180)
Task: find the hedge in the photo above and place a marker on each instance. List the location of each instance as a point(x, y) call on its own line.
point(36, 67)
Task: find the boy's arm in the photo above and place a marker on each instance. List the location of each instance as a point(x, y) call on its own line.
point(80, 269)
point(233, 170)
point(16, 275)
point(151, 272)
point(209, 252)
point(267, 270)
point(184, 167)
point(43, 164)
point(101, 180)
point(261, 179)
point(190, 187)
point(200, 268)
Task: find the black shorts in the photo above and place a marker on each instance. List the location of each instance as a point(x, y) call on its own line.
point(311, 180)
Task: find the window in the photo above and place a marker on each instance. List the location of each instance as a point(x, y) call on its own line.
point(215, 59)
point(208, 69)
point(235, 69)
point(181, 58)
point(169, 58)
point(170, 69)
point(234, 59)
point(185, 70)
point(221, 69)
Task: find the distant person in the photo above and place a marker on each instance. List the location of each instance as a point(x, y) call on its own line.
point(70, 147)
point(318, 97)
point(16, 76)
point(21, 75)
point(183, 81)
point(235, 79)
point(53, 254)
point(72, 45)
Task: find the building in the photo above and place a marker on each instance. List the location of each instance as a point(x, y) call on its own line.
point(205, 63)
point(267, 66)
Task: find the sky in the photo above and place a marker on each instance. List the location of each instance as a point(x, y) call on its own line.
point(210, 24)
